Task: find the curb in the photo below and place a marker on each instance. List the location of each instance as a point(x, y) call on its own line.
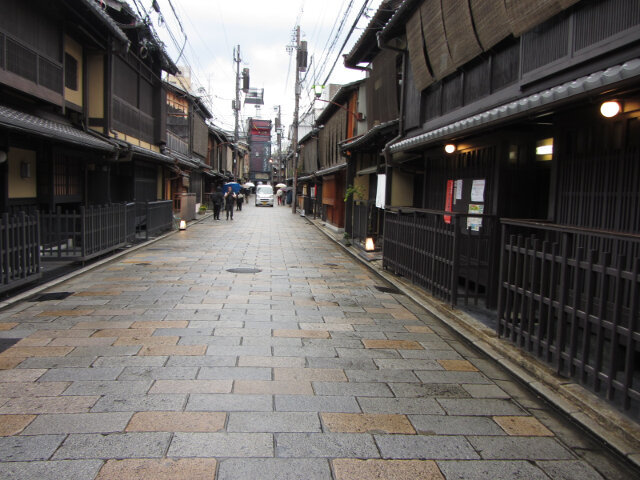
point(581, 406)
point(56, 281)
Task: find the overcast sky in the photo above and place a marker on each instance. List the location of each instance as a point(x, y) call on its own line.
point(263, 29)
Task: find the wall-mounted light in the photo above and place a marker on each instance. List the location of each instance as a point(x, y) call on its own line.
point(610, 109)
point(369, 246)
point(3, 156)
point(544, 150)
point(449, 148)
point(317, 89)
point(183, 224)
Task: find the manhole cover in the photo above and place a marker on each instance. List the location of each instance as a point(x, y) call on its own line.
point(382, 289)
point(45, 297)
point(7, 342)
point(243, 270)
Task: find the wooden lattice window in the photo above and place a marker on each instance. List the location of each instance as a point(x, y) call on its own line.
point(67, 177)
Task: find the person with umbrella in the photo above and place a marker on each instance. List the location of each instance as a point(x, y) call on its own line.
point(229, 201)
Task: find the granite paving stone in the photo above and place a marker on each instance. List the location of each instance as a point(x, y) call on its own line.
point(479, 406)
point(76, 374)
point(454, 425)
point(274, 469)
point(108, 387)
point(308, 445)
point(273, 422)
point(158, 373)
point(164, 365)
point(78, 423)
point(568, 470)
point(35, 389)
point(304, 403)
point(430, 447)
point(159, 469)
point(192, 386)
point(14, 424)
point(139, 403)
point(177, 422)
point(51, 470)
point(26, 449)
point(221, 445)
point(229, 403)
point(38, 405)
point(520, 448)
point(356, 469)
point(366, 423)
point(56, 362)
point(352, 389)
point(113, 445)
point(234, 373)
point(491, 470)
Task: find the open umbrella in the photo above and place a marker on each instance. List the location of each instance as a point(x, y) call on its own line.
point(234, 186)
point(280, 185)
point(249, 185)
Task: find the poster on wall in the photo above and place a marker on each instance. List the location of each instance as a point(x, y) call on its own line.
point(381, 191)
point(448, 202)
point(458, 190)
point(474, 223)
point(477, 190)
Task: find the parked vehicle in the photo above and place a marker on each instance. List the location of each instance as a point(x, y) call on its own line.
point(264, 195)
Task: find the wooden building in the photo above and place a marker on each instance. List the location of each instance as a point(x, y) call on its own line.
point(82, 124)
point(510, 190)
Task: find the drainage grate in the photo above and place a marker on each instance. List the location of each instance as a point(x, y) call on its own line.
point(45, 297)
point(244, 270)
point(7, 342)
point(143, 264)
point(331, 264)
point(382, 289)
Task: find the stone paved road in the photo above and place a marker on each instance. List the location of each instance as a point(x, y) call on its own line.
point(164, 365)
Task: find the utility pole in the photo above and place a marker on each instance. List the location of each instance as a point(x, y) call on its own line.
point(236, 108)
point(279, 137)
point(294, 140)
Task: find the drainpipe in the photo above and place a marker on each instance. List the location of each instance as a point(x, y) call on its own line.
point(385, 151)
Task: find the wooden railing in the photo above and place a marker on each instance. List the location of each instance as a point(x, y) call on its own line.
point(85, 233)
point(158, 217)
point(19, 256)
point(450, 260)
point(571, 297)
point(177, 144)
point(185, 205)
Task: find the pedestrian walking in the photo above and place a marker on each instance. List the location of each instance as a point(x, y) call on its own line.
point(229, 202)
point(279, 196)
point(218, 200)
point(239, 201)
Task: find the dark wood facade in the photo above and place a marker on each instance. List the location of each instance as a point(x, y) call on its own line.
point(535, 216)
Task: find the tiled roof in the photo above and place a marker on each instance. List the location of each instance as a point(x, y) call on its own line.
point(545, 99)
point(57, 131)
point(95, 8)
point(363, 139)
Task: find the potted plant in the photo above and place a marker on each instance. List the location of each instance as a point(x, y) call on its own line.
point(202, 209)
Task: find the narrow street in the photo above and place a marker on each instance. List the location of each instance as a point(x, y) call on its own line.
point(164, 364)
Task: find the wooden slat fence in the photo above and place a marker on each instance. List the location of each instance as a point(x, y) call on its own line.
point(85, 233)
point(19, 256)
point(570, 296)
point(159, 217)
point(450, 260)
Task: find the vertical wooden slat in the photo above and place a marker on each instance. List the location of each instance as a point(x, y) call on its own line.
point(615, 322)
point(629, 364)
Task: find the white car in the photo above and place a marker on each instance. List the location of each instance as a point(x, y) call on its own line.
point(264, 195)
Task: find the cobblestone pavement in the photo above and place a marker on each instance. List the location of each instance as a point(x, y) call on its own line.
point(164, 365)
